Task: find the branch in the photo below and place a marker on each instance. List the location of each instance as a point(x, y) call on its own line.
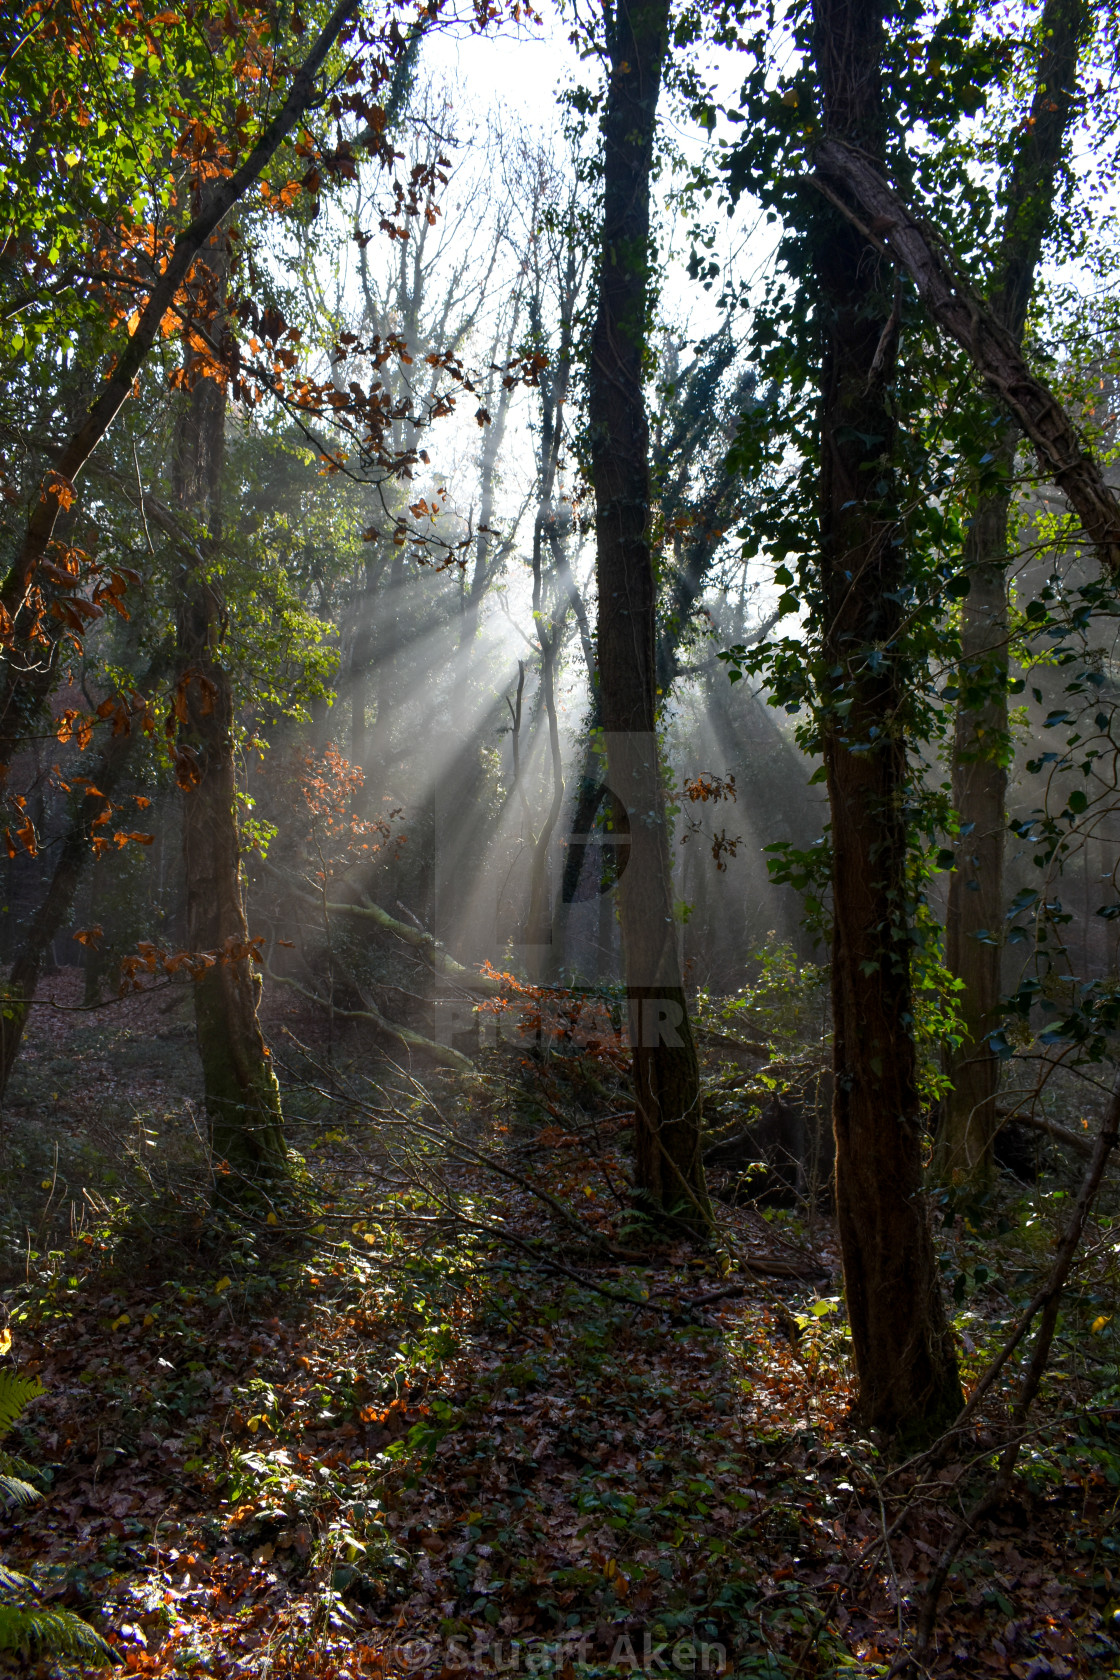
point(1077, 1141)
point(416, 937)
point(150, 507)
point(404, 1035)
point(188, 244)
point(850, 181)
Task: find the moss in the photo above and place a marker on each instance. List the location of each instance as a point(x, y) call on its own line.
point(242, 1093)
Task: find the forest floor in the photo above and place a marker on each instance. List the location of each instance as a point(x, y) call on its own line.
point(433, 1414)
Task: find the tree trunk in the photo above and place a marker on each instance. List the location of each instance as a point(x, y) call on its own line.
point(384, 765)
point(361, 659)
point(585, 809)
point(242, 1095)
point(537, 931)
point(547, 533)
point(901, 1342)
point(54, 911)
point(975, 915)
point(668, 1170)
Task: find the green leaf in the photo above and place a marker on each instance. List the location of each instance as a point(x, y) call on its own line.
point(16, 1393)
point(58, 1631)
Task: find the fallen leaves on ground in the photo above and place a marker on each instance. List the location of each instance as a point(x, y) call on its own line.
point(360, 1436)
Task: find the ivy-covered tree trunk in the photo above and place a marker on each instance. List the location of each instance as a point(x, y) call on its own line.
point(901, 1341)
point(974, 916)
point(242, 1095)
point(981, 749)
point(668, 1169)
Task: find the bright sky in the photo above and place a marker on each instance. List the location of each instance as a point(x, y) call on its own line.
point(523, 75)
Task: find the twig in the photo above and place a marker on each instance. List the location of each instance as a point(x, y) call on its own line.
point(1047, 1300)
point(140, 503)
point(404, 1035)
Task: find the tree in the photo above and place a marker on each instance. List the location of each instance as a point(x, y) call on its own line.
point(90, 808)
point(668, 1169)
point(555, 266)
point(900, 1335)
point(887, 536)
point(25, 683)
point(973, 949)
point(242, 1095)
point(852, 507)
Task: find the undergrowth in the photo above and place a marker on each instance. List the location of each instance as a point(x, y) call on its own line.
point(417, 1420)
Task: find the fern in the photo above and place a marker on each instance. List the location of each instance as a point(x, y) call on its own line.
point(58, 1631)
point(23, 1626)
point(14, 1489)
point(10, 1465)
point(16, 1392)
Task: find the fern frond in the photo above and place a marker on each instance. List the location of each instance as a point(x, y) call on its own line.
point(58, 1631)
point(16, 1392)
point(10, 1465)
point(18, 1480)
point(17, 1492)
point(23, 1626)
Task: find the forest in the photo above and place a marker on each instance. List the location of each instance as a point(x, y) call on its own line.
point(560, 838)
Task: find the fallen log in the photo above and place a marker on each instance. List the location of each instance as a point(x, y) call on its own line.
point(1080, 1144)
point(418, 937)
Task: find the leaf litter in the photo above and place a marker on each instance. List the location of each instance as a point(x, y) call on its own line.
point(423, 1418)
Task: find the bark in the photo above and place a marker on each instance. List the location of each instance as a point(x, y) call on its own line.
point(25, 685)
point(242, 1095)
point(362, 654)
point(968, 1125)
point(905, 1365)
point(390, 636)
point(585, 809)
point(549, 534)
point(589, 797)
point(58, 902)
point(538, 929)
point(861, 192)
point(975, 915)
point(668, 1169)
